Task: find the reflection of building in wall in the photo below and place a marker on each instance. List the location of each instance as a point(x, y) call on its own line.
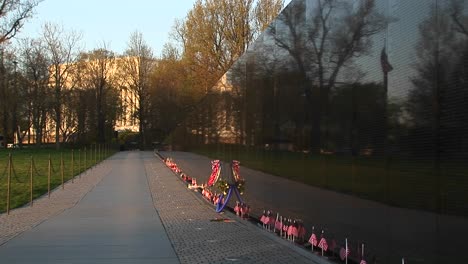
point(227, 131)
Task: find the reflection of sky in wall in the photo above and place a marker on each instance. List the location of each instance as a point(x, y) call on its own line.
point(401, 40)
point(401, 37)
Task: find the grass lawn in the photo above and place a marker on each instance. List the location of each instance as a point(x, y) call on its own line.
point(21, 171)
point(404, 182)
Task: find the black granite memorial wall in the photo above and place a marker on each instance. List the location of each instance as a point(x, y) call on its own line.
point(365, 99)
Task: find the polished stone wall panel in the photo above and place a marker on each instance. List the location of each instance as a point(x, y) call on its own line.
point(320, 105)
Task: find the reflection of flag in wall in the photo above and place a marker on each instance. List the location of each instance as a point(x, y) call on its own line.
point(344, 253)
point(386, 66)
point(332, 245)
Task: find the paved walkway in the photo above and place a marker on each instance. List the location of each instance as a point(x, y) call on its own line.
point(116, 222)
point(27, 217)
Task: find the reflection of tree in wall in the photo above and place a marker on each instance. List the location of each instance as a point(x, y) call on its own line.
point(437, 103)
point(237, 77)
point(336, 32)
point(355, 109)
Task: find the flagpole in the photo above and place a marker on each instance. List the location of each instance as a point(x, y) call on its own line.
point(346, 252)
point(386, 68)
point(281, 229)
point(362, 254)
point(321, 241)
point(277, 218)
point(313, 241)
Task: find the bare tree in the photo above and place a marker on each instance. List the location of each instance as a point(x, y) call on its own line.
point(6, 92)
point(216, 33)
point(98, 66)
point(36, 70)
point(137, 67)
point(13, 13)
point(62, 48)
point(265, 12)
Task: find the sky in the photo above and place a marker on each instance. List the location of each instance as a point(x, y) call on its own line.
point(111, 21)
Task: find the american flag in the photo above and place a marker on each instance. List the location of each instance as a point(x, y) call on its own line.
point(313, 240)
point(344, 253)
point(323, 244)
point(386, 66)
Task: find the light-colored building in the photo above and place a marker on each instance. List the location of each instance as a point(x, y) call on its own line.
point(74, 79)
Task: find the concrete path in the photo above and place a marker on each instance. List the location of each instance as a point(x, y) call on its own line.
point(114, 223)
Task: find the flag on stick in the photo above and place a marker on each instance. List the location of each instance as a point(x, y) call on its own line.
point(313, 239)
point(323, 244)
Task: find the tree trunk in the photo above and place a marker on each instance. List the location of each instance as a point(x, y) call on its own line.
point(141, 126)
point(100, 116)
point(58, 122)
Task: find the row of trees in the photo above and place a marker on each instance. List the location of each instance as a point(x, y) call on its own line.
point(50, 82)
point(213, 35)
point(51, 86)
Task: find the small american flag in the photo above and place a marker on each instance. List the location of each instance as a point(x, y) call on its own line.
point(323, 244)
point(313, 240)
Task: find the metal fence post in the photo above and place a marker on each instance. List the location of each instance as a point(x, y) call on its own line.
point(73, 165)
point(31, 181)
point(61, 170)
point(85, 159)
point(79, 162)
point(9, 184)
point(49, 174)
point(95, 154)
